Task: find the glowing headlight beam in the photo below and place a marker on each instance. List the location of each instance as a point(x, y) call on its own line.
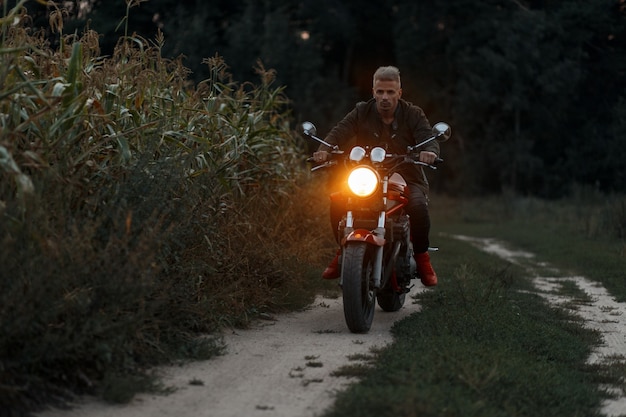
point(363, 181)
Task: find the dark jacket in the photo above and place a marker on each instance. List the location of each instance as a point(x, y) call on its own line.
point(364, 126)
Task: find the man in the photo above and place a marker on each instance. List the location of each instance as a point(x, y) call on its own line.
point(389, 121)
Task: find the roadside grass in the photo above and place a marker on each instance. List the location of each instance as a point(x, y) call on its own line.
point(139, 214)
point(574, 293)
point(481, 346)
point(584, 233)
point(485, 344)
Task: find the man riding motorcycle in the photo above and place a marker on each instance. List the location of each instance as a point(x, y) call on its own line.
point(388, 121)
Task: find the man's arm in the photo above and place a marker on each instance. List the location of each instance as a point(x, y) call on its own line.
point(339, 134)
point(422, 130)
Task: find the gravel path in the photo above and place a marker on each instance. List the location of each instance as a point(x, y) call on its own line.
point(279, 368)
point(283, 367)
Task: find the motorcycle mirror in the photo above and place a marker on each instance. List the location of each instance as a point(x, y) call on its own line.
point(442, 131)
point(309, 129)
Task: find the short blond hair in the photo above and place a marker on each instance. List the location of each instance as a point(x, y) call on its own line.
point(389, 73)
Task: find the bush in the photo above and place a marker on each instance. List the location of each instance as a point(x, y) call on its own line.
point(138, 213)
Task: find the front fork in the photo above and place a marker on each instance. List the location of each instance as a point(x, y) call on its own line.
point(375, 238)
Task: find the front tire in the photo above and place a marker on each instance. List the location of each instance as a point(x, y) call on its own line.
point(359, 294)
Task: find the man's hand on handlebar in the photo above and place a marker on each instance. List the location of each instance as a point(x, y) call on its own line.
point(320, 156)
point(428, 157)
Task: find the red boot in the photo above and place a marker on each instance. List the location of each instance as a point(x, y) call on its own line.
point(425, 269)
point(332, 270)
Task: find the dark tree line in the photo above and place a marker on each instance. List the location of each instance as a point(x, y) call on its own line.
point(535, 89)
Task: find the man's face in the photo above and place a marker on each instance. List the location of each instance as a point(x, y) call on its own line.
point(387, 94)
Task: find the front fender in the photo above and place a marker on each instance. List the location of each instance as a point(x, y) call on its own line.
point(364, 235)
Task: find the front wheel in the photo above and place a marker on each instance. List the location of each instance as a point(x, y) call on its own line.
point(359, 294)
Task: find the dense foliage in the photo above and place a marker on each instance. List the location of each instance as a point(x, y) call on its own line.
point(533, 88)
point(138, 212)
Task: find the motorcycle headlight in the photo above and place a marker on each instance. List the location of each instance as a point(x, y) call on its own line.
point(363, 181)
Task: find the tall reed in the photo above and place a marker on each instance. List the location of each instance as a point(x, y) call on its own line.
point(129, 208)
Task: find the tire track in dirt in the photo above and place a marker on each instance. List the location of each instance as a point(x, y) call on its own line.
point(598, 309)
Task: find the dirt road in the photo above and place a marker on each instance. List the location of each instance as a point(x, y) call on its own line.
point(279, 368)
point(283, 368)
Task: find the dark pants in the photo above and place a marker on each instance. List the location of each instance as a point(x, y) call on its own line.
point(417, 209)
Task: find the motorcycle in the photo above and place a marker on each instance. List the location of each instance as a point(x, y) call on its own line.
point(376, 258)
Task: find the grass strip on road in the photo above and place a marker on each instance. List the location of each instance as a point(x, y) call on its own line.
point(483, 345)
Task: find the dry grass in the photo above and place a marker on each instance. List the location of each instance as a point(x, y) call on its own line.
point(138, 212)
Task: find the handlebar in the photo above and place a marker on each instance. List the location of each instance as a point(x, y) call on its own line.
point(400, 159)
point(414, 162)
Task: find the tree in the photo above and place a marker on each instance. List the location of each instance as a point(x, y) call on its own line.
point(513, 78)
point(525, 83)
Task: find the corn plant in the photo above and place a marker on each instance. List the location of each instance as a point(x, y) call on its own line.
point(121, 184)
